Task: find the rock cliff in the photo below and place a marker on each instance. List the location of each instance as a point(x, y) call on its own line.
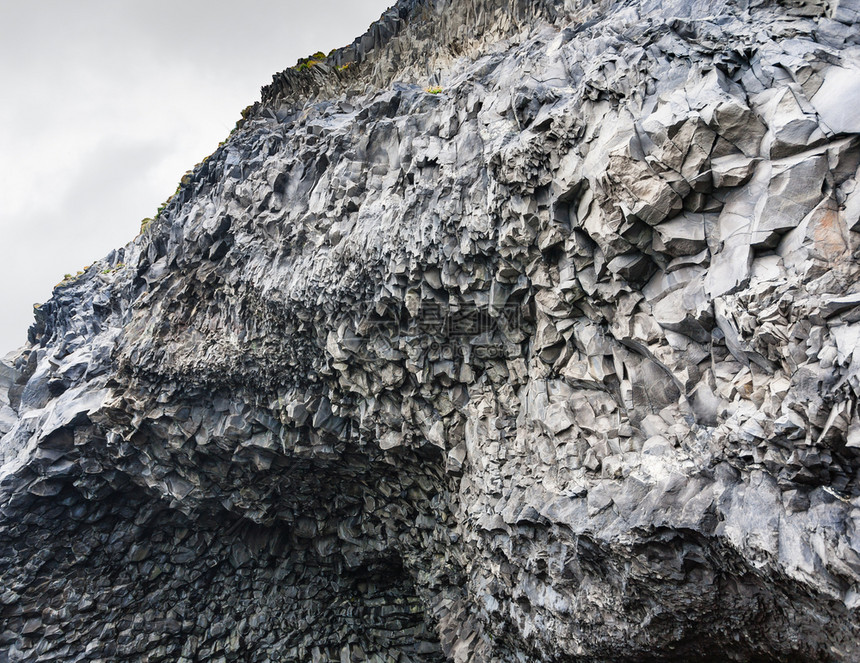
point(514, 331)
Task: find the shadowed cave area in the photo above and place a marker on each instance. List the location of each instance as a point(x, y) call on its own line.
point(135, 579)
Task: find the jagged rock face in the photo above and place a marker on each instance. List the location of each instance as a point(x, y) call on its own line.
point(555, 363)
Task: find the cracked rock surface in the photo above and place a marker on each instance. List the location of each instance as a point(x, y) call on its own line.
point(513, 331)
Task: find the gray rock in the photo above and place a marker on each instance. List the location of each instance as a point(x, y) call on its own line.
point(682, 236)
point(558, 361)
point(837, 99)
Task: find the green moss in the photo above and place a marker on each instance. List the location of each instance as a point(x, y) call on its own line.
point(307, 65)
point(71, 278)
point(310, 61)
point(434, 90)
point(114, 269)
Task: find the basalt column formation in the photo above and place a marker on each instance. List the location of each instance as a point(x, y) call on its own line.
point(512, 332)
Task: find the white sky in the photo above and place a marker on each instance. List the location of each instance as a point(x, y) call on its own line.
point(104, 104)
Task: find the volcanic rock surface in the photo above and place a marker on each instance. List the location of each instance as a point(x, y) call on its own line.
point(512, 332)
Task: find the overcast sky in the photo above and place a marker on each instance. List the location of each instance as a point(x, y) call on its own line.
point(104, 104)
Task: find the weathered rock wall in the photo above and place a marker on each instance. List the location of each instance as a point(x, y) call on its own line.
point(415, 41)
point(557, 363)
